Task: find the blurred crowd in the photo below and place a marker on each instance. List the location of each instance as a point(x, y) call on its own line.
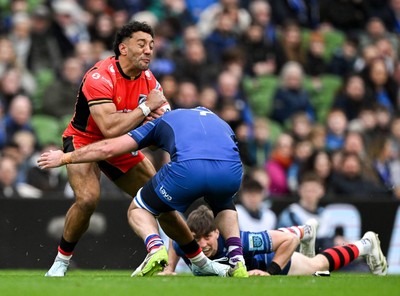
point(309, 87)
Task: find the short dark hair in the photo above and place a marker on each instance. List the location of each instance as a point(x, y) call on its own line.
point(127, 30)
point(201, 221)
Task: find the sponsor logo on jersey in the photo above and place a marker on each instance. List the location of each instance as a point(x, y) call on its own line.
point(96, 75)
point(108, 81)
point(255, 242)
point(165, 194)
point(147, 74)
point(111, 68)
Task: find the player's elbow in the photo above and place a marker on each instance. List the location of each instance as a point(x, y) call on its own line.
point(110, 133)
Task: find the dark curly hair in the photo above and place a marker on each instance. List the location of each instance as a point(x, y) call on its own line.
point(127, 30)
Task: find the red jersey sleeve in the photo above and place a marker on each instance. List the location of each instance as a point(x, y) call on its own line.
point(98, 87)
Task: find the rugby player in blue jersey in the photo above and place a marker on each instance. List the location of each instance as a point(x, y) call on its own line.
point(205, 162)
point(272, 252)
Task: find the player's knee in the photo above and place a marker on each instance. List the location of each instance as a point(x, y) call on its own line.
point(87, 202)
point(293, 240)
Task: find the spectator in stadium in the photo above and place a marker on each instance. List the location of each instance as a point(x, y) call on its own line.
point(187, 96)
point(44, 52)
point(194, 138)
point(277, 256)
point(254, 213)
point(208, 98)
point(8, 178)
point(102, 29)
point(375, 30)
point(194, 65)
point(290, 46)
point(315, 63)
point(300, 126)
point(319, 163)
point(317, 136)
point(259, 143)
point(381, 85)
point(59, 97)
point(260, 59)
point(209, 17)
point(368, 54)
point(20, 35)
point(278, 163)
point(222, 38)
point(19, 116)
point(310, 191)
point(380, 153)
point(336, 127)
point(302, 150)
point(351, 181)
point(15, 81)
point(391, 16)
point(101, 113)
point(230, 94)
point(26, 141)
point(394, 136)
point(291, 96)
point(69, 25)
point(352, 97)
point(261, 15)
point(344, 57)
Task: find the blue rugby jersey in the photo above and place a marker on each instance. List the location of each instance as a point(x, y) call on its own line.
point(189, 134)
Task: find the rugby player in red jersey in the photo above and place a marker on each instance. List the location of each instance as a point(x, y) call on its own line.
point(116, 95)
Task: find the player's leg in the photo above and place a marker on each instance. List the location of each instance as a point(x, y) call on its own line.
point(84, 180)
point(283, 244)
point(307, 234)
point(303, 265)
point(224, 179)
point(145, 226)
point(138, 175)
point(337, 257)
point(173, 225)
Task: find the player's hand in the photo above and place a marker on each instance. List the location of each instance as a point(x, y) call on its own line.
point(258, 272)
point(167, 271)
point(158, 112)
point(155, 99)
point(50, 159)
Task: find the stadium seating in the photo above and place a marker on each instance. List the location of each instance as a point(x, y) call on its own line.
point(260, 92)
point(47, 129)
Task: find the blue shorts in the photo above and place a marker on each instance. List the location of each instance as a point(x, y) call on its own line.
point(178, 184)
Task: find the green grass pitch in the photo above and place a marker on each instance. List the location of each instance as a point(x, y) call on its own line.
point(119, 283)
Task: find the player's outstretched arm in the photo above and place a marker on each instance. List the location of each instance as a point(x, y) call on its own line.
point(90, 153)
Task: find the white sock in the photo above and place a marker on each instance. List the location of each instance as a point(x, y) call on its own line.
point(199, 260)
point(64, 257)
point(364, 246)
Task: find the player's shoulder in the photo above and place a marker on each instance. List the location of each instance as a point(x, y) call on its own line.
point(103, 72)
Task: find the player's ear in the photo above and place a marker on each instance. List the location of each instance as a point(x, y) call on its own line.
point(123, 49)
point(217, 232)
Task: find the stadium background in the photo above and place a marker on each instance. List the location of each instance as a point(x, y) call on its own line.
point(45, 47)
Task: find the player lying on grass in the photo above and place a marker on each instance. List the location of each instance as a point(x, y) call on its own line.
point(265, 252)
point(205, 162)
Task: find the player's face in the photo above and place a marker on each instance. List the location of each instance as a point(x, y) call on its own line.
point(208, 243)
point(139, 50)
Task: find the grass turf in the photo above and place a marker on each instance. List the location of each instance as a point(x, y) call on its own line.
point(119, 283)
